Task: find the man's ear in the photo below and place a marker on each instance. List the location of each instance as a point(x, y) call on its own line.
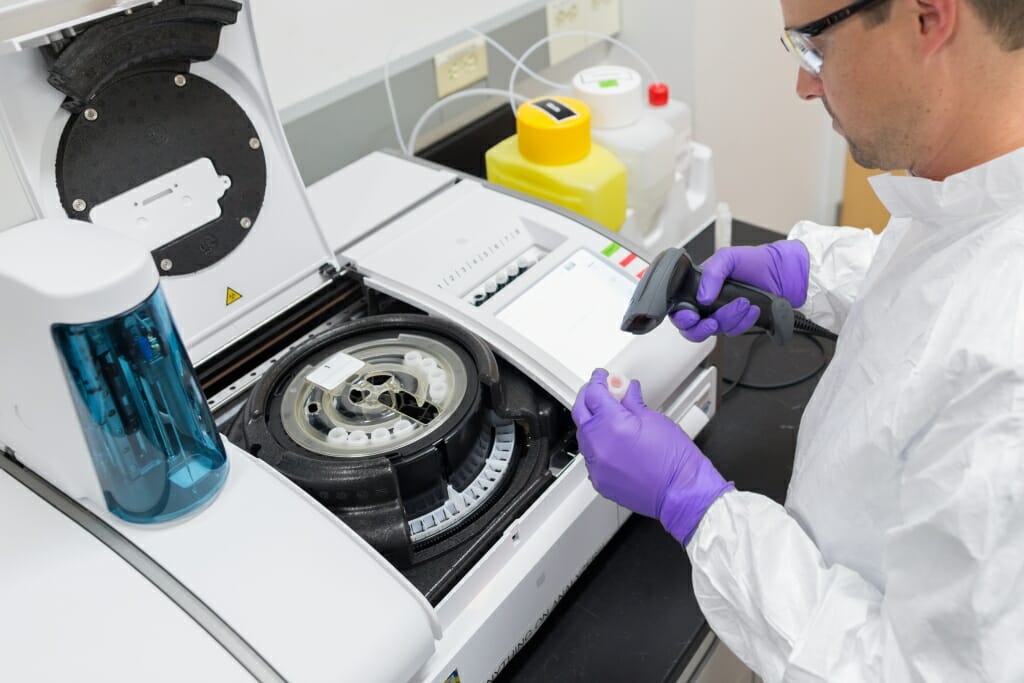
point(936, 20)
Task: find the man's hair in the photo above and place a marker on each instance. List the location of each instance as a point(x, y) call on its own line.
point(1004, 18)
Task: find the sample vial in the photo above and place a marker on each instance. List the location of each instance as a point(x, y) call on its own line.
point(617, 385)
point(723, 226)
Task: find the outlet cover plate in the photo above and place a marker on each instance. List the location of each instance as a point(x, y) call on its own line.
point(604, 18)
point(460, 65)
point(566, 15)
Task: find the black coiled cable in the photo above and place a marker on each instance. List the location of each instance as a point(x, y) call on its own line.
point(802, 324)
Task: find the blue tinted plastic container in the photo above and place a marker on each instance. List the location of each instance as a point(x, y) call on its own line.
point(153, 440)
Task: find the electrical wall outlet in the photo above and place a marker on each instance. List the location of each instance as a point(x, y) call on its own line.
point(460, 66)
point(604, 18)
point(566, 15)
point(598, 16)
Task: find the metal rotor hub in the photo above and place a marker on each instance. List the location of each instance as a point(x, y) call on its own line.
point(400, 391)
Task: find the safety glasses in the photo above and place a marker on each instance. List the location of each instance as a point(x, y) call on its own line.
point(799, 41)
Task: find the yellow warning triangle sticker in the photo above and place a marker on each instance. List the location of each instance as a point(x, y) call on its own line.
point(233, 296)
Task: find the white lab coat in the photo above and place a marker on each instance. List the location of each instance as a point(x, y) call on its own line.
point(899, 555)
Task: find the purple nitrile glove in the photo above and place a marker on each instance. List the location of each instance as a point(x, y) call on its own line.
point(642, 460)
point(780, 268)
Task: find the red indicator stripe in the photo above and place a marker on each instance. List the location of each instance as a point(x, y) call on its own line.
point(626, 261)
point(641, 274)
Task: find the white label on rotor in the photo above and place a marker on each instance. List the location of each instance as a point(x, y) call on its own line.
point(334, 371)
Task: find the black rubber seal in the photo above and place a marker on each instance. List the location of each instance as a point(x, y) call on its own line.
point(175, 31)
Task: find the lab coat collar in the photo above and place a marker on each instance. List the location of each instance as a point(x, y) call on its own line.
point(993, 187)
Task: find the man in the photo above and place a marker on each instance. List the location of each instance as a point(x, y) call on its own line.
point(899, 555)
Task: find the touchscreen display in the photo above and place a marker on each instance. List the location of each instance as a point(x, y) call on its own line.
point(574, 312)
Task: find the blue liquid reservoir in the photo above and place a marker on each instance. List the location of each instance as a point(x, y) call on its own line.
point(153, 440)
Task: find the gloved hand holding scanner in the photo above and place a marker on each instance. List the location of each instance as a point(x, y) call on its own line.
point(736, 289)
point(674, 284)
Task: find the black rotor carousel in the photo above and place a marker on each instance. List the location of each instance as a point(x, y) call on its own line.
point(409, 429)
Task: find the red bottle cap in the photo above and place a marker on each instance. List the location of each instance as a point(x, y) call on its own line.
point(657, 94)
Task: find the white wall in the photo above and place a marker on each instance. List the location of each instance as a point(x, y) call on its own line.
point(662, 31)
point(345, 47)
point(777, 159)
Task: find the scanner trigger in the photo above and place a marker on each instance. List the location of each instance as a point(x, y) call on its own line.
point(683, 306)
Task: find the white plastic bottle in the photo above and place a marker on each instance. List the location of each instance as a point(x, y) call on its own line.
point(643, 142)
point(679, 117)
point(691, 196)
point(723, 226)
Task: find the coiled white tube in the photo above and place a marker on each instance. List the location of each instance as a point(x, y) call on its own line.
point(391, 99)
point(512, 58)
point(475, 92)
point(490, 41)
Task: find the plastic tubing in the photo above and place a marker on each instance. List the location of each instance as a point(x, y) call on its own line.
point(391, 100)
point(520, 63)
point(411, 147)
point(471, 29)
point(512, 58)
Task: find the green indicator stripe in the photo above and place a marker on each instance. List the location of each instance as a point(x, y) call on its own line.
point(611, 83)
point(610, 249)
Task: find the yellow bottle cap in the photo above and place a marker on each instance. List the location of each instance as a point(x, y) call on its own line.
point(553, 130)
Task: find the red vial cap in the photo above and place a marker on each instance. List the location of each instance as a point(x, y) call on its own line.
point(657, 94)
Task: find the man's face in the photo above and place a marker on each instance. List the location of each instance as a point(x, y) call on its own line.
point(864, 83)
